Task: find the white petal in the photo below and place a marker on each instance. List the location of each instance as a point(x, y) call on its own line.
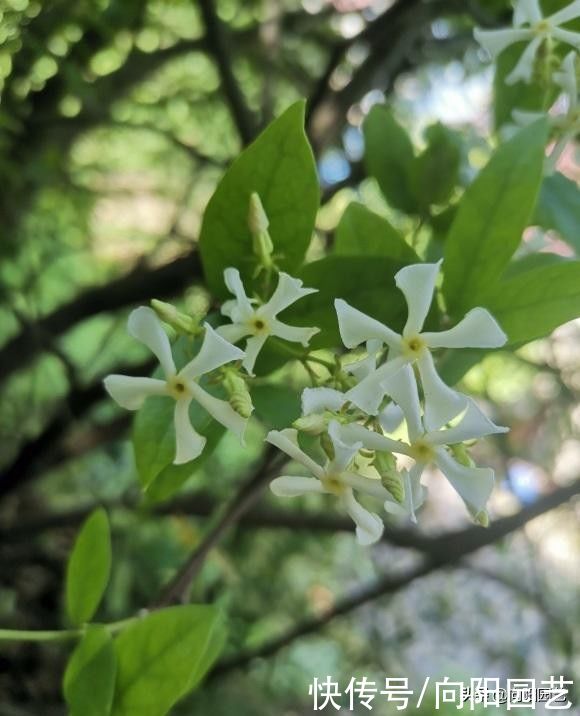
point(253, 347)
point(478, 329)
point(474, 484)
point(391, 417)
point(369, 527)
point(366, 485)
point(234, 284)
point(295, 334)
point(130, 392)
point(287, 441)
point(343, 452)
point(356, 327)
point(524, 118)
point(402, 388)
point(496, 41)
point(524, 69)
point(417, 282)
point(369, 393)
point(566, 76)
point(288, 291)
point(221, 411)
point(317, 400)
point(215, 351)
point(442, 403)
point(527, 11)
point(353, 432)
point(295, 486)
point(414, 490)
point(570, 12)
point(568, 37)
point(473, 424)
point(188, 443)
point(144, 325)
point(233, 332)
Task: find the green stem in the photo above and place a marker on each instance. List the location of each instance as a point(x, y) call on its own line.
point(305, 356)
point(59, 635)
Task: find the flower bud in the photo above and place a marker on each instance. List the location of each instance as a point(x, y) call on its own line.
point(239, 395)
point(327, 446)
point(481, 518)
point(257, 219)
point(181, 322)
point(391, 479)
point(459, 451)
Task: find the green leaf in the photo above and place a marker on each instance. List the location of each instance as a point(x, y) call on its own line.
point(88, 568)
point(89, 680)
point(491, 218)
point(532, 261)
point(389, 158)
point(277, 406)
point(435, 172)
point(532, 304)
point(559, 208)
point(279, 166)
point(361, 232)
point(164, 656)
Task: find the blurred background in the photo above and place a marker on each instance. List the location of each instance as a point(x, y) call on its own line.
point(117, 118)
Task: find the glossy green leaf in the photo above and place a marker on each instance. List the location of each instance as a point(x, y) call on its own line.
point(532, 304)
point(279, 166)
point(435, 172)
point(277, 406)
point(88, 568)
point(89, 680)
point(361, 232)
point(491, 218)
point(389, 158)
point(163, 656)
point(559, 208)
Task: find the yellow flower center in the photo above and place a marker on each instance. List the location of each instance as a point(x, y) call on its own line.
point(258, 325)
point(422, 451)
point(413, 346)
point(177, 387)
point(333, 483)
point(542, 28)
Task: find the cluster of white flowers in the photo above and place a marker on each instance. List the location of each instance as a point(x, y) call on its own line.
point(360, 450)
point(543, 34)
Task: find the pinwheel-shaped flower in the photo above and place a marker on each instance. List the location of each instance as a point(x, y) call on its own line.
point(529, 25)
point(182, 386)
point(338, 477)
point(426, 447)
point(261, 322)
point(478, 329)
point(566, 126)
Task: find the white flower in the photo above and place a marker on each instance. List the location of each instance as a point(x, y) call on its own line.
point(182, 386)
point(261, 322)
point(338, 477)
point(426, 447)
point(530, 26)
point(566, 125)
point(478, 329)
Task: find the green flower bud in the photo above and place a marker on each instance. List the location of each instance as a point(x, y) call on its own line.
point(239, 395)
point(391, 479)
point(481, 518)
point(181, 322)
point(460, 453)
point(327, 446)
point(257, 219)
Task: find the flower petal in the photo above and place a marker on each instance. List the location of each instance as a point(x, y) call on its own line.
point(295, 334)
point(391, 417)
point(524, 69)
point(566, 78)
point(570, 12)
point(369, 527)
point(568, 37)
point(366, 485)
point(234, 284)
point(232, 332)
point(215, 351)
point(477, 329)
point(253, 347)
point(356, 327)
point(295, 486)
point(288, 291)
point(221, 411)
point(474, 484)
point(417, 282)
point(287, 441)
point(317, 400)
point(473, 424)
point(442, 403)
point(343, 453)
point(130, 392)
point(402, 388)
point(144, 325)
point(527, 11)
point(496, 41)
point(369, 393)
point(353, 432)
point(188, 443)
point(414, 491)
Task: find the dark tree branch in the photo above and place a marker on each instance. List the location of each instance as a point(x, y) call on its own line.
point(452, 549)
